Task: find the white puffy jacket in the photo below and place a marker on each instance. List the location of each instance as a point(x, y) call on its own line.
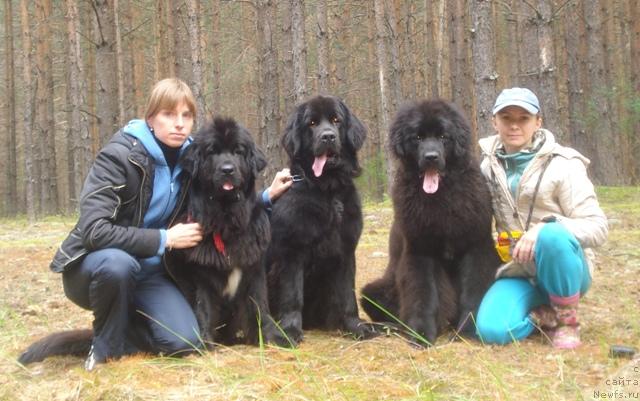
point(565, 192)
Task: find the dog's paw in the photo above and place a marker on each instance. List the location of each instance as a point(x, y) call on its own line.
point(280, 339)
point(361, 330)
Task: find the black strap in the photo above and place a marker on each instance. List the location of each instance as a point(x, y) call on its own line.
point(535, 191)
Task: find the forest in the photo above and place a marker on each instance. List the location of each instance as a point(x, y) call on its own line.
point(75, 71)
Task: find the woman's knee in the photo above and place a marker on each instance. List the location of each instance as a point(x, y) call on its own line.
point(115, 266)
point(554, 239)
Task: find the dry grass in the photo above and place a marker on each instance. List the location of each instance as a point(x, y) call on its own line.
point(326, 366)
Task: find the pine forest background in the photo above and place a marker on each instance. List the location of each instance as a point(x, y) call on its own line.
point(77, 70)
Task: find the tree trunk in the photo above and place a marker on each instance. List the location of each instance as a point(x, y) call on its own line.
point(322, 34)
point(408, 60)
point(484, 57)
point(30, 86)
point(106, 67)
point(299, 51)
point(196, 61)
point(79, 138)
point(286, 78)
point(376, 154)
point(45, 122)
point(119, 63)
point(434, 54)
point(181, 47)
point(383, 82)
point(11, 199)
point(268, 92)
point(460, 77)
point(395, 66)
point(599, 113)
point(214, 39)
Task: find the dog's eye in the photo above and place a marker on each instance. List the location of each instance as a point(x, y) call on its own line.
point(441, 136)
point(239, 151)
point(335, 120)
point(312, 123)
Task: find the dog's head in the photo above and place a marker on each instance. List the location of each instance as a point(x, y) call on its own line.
point(323, 136)
point(223, 161)
point(431, 138)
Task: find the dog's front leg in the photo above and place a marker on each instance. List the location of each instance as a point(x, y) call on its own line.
point(419, 297)
point(287, 294)
point(207, 312)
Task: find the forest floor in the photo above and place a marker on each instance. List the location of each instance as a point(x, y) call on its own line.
point(327, 366)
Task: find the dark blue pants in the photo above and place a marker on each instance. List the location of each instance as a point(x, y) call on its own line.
point(135, 307)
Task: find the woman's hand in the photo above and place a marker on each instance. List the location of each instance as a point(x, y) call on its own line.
point(281, 183)
point(525, 247)
point(184, 235)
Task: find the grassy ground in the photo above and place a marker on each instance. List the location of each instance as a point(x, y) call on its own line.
point(327, 366)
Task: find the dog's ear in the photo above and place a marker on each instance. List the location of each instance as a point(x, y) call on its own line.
point(291, 139)
point(257, 159)
point(397, 135)
point(460, 132)
point(356, 131)
point(189, 159)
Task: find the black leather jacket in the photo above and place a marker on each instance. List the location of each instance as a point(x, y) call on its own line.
point(113, 203)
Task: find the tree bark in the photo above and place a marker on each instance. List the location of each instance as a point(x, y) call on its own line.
point(30, 86)
point(268, 93)
point(181, 47)
point(408, 61)
point(11, 200)
point(600, 129)
point(106, 67)
point(119, 62)
point(215, 58)
point(485, 75)
point(196, 61)
point(322, 34)
point(299, 51)
point(460, 80)
point(286, 77)
point(45, 122)
point(376, 154)
point(78, 134)
point(383, 82)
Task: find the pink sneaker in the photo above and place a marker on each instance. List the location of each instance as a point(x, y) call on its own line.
point(566, 337)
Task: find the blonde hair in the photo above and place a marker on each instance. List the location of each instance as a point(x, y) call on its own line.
point(167, 94)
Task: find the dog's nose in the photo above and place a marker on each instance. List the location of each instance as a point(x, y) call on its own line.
point(228, 169)
point(328, 137)
point(431, 156)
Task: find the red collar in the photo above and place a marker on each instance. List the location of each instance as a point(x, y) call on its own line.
point(217, 239)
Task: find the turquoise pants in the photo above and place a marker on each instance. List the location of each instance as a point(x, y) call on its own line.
point(562, 274)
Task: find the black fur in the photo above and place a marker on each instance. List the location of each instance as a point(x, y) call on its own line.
point(223, 154)
point(441, 254)
point(72, 342)
point(316, 225)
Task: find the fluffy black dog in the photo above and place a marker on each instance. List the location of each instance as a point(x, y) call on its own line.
point(223, 277)
point(441, 253)
point(316, 225)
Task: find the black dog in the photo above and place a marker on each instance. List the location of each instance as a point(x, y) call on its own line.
point(317, 223)
point(223, 277)
point(441, 253)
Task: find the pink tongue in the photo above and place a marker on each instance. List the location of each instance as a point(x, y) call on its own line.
point(430, 183)
point(318, 165)
point(227, 186)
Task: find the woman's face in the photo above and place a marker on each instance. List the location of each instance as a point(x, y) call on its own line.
point(516, 127)
point(172, 127)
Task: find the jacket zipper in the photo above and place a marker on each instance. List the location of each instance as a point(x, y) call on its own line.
point(144, 178)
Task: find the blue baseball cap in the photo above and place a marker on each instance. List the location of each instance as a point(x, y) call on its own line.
point(521, 97)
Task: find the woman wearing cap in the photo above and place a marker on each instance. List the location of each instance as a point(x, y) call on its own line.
point(547, 217)
point(110, 262)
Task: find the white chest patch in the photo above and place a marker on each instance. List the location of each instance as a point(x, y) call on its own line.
point(232, 283)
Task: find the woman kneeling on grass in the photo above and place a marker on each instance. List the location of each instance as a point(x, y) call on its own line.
point(111, 260)
point(547, 216)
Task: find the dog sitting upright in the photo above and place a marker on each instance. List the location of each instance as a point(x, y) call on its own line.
point(223, 277)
